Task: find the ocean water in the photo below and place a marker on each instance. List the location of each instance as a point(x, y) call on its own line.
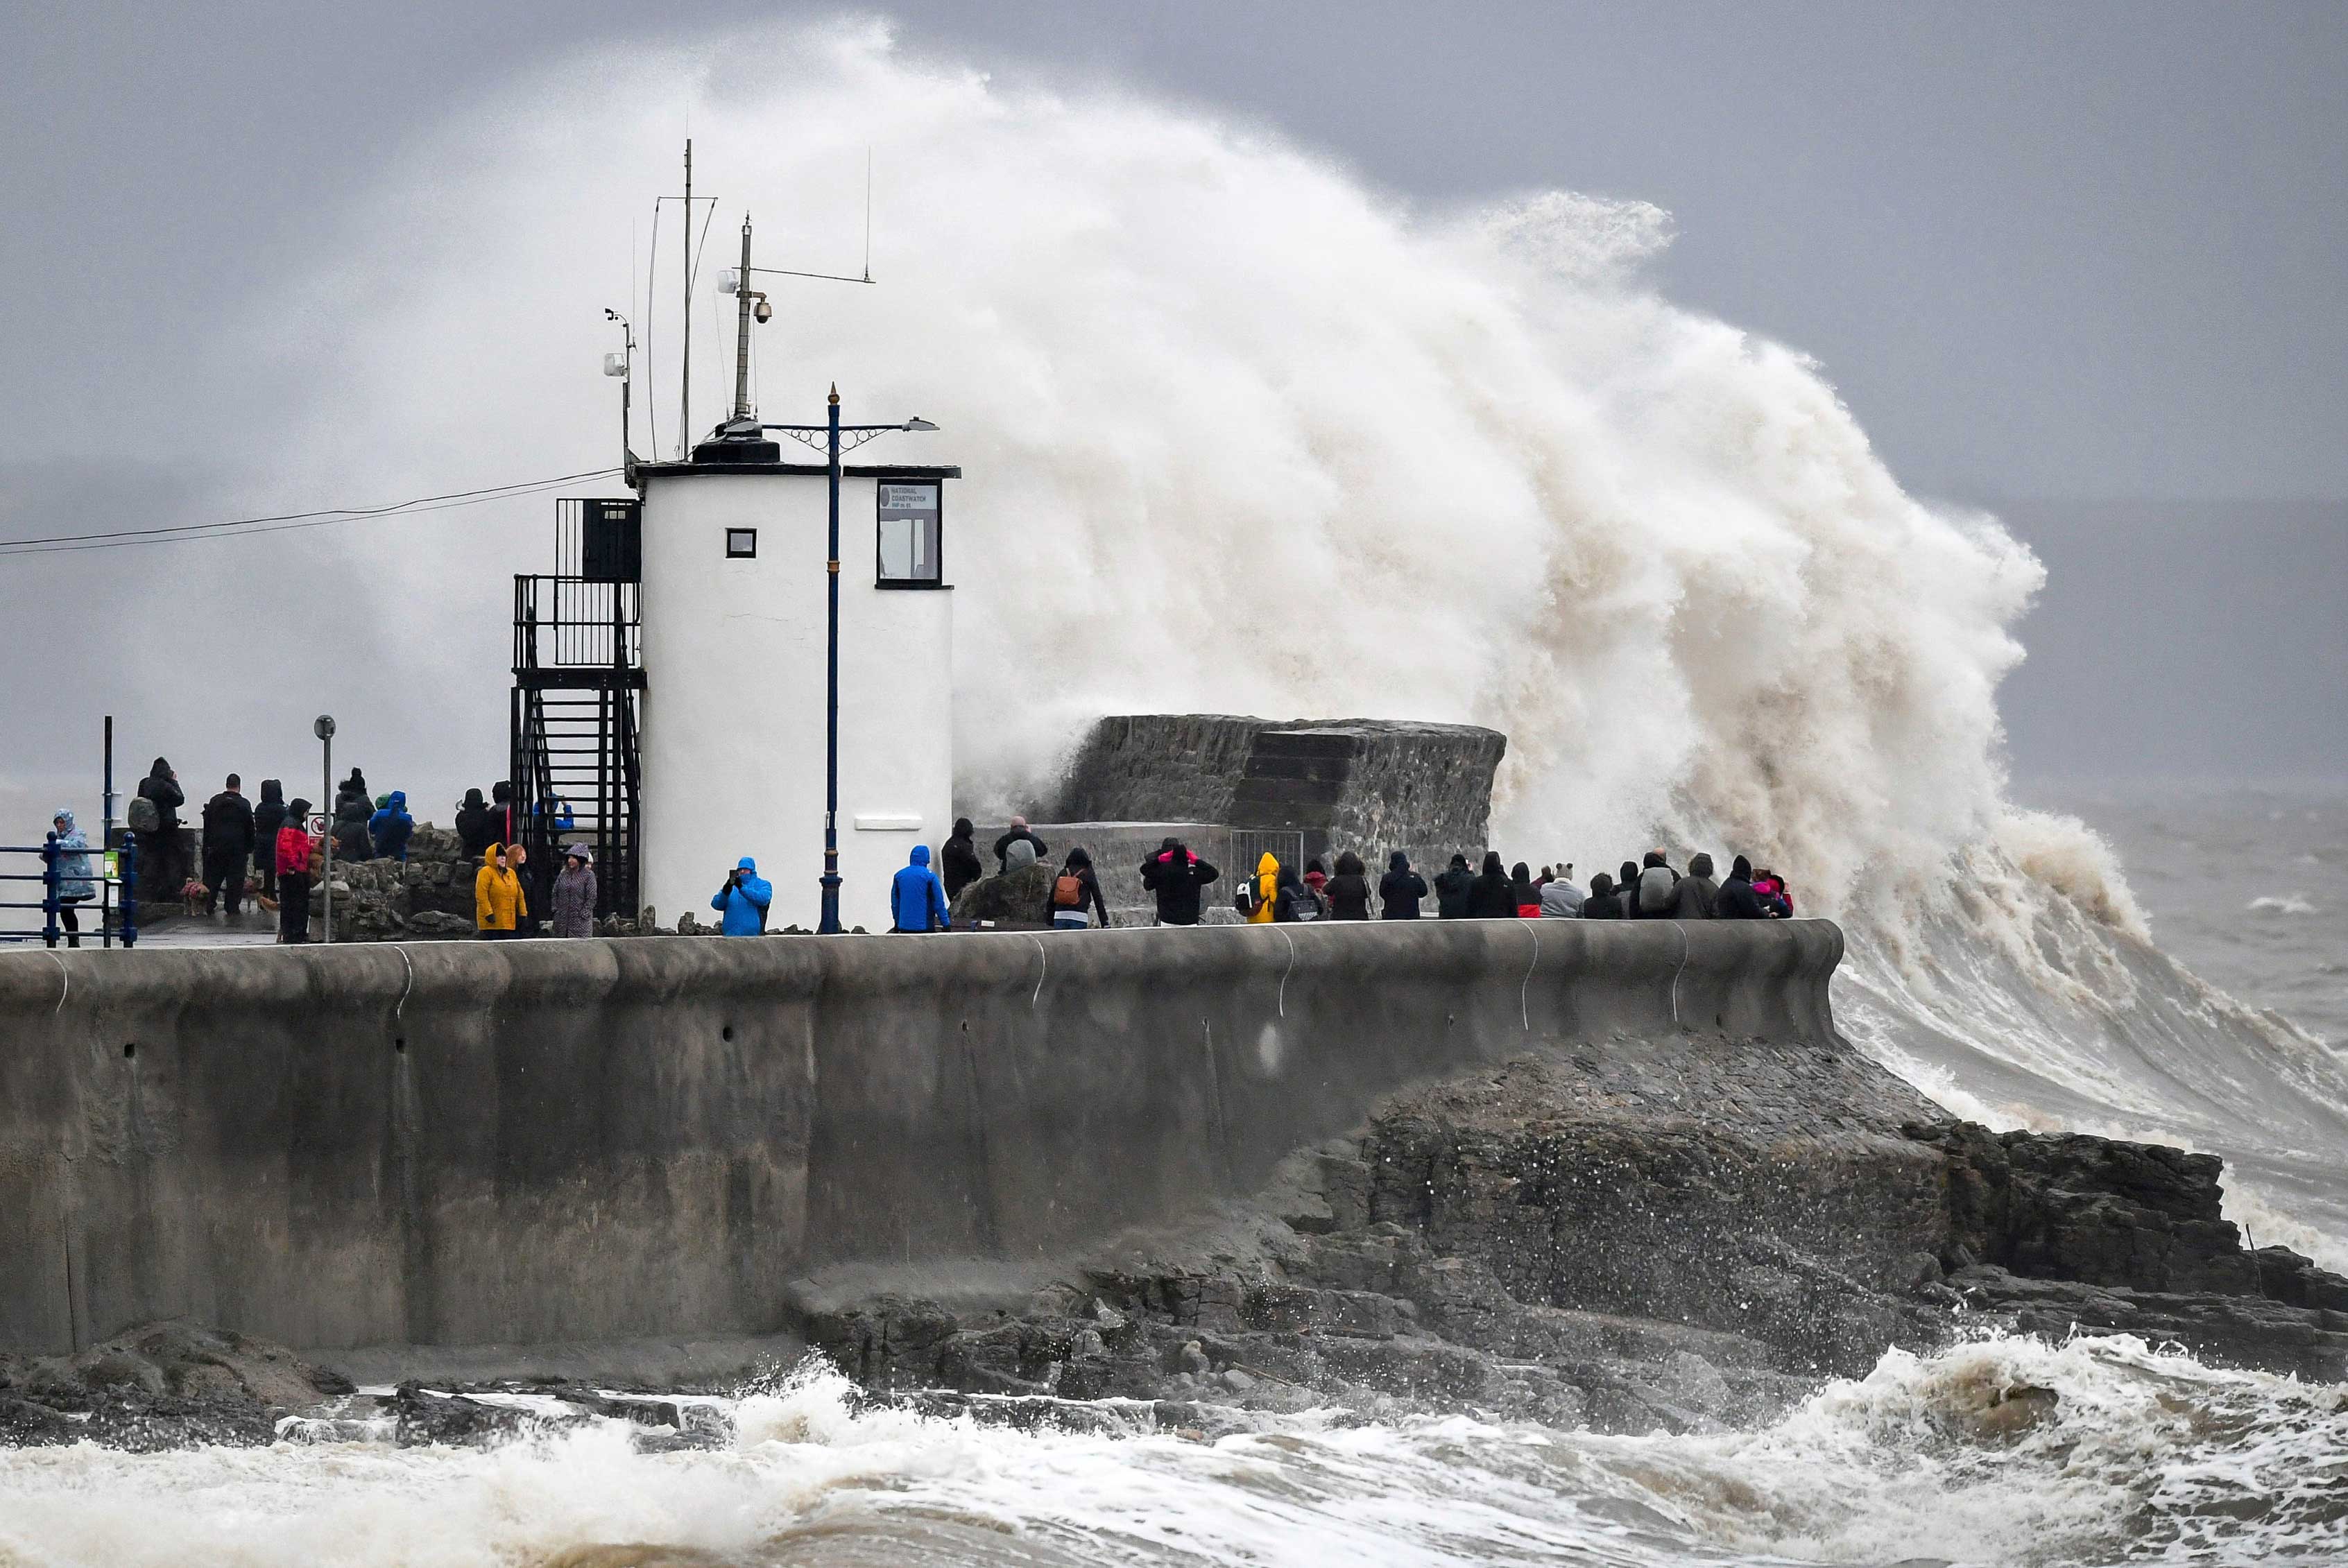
point(1194, 373)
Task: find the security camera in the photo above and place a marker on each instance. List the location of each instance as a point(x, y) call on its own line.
point(765, 312)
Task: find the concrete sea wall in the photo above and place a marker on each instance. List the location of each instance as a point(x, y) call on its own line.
point(466, 1143)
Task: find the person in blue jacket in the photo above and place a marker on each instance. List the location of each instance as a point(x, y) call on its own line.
point(742, 900)
point(917, 900)
point(390, 827)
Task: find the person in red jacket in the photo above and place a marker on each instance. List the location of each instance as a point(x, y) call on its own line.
point(294, 847)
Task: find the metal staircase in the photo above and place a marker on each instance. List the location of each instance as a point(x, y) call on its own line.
point(578, 669)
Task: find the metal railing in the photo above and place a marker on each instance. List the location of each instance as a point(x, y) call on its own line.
point(54, 905)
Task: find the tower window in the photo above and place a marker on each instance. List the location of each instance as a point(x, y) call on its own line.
point(910, 543)
point(741, 544)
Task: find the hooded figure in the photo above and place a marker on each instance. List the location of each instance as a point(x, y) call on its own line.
point(1349, 890)
point(161, 866)
point(1626, 888)
point(1401, 889)
point(1603, 902)
point(1076, 895)
point(744, 900)
point(498, 900)
point(294, 846)
point(352, 811)
point(1656, 881)
point(1316, 879)
point(1263, 893)
point(1736, 899)
point(1452, 889)
point(477, 824)
point(267, 818)
point(75, 885)
point(917, 901)
point(389, 827)
point(1176, 874)
point(958, 861)
point(573, 897)
point(161, 785)
point(1522, 888)
point(1296, 901)
point(1696, 895)
point(1492, 897)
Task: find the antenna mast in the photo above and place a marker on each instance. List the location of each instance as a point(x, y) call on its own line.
point(745, 310)
point(684, 377)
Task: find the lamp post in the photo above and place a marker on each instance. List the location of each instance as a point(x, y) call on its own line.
point(831, 431)
point(323, 728)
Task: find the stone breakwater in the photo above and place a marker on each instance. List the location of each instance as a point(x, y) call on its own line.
point(1625, 1176)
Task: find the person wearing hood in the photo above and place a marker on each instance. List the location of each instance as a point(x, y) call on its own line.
point(1736, 900)
point(1656, 881)
point(958, 861)
point(1492, 897)
point(1697, 893)
point(917, 900)
point(1626, 888)
point(1176, 875)
point(389, 828)
point(742, 900)
point(1316, 879)
point(1522, 888)
point(1453, 890)
point(1603, 902)
point(75, 883)
point(498, 896)
point(160, 872)
point(294, 847)
point(267, 818)
point(1349, 890)
point(477, 824)
point(573, 895)
point(1401, 889)
point(1561, 896)
point(228, 846)
point(353, 810)
point(1259, 899)
point(1076, 895)
point(1296, 901)
point(1774, 895)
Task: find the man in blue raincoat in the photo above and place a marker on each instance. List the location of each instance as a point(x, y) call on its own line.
point(743, 901)
point(917, 901)
point(390, 828)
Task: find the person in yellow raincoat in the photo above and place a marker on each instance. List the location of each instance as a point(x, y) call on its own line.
point(1267, 883)
point(496, 895)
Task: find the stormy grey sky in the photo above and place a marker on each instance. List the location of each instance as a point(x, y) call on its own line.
point(2082, 264)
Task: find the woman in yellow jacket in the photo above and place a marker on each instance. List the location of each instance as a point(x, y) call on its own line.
point(496, 895)
point(1267, 886)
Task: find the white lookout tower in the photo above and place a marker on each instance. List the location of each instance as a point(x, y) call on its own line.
point(796, 627)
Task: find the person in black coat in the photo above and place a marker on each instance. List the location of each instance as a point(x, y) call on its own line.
point(1603, 902)
point(1349, 890)
point(160, 870)
point(1294, 902)
point(1401, 889)
point(1452, 889)
point(1493, 897)
point(1176, 874)
point(228, 846)
point(267, 818)
point(958, 862)
point(1736, 900)
point(477, 827)
point(352, 813)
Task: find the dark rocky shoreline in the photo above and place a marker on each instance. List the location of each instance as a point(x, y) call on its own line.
point(1687, 1234)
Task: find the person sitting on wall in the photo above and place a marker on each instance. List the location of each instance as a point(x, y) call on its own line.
point(497, 897)
point(389, 828)
point(743, 899)
point(1019, 847)
point(958, 862)
point(1176, 874)
point(1076, 895)
point(916, 901)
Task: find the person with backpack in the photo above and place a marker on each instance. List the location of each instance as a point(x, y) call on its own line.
point(267, 818)
point(228, 846)
point(1296, 901)
point(1603, 902)
point(1348, 891)
point(1453, 890)
point(1401, 889)
point(1657, 881)
point(1492, 897)
point(156, 826)
point(1176, 875)
point(389, 828)
point(498, 896)
point(294, 848)
point(958, 862)
point(1256, 897)
point(917, 900)
point(1076, 895)
point(743, 899)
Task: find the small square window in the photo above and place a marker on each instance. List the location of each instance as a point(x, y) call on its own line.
point(741, 544)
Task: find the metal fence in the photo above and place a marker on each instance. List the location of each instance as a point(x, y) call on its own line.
point(114, 873)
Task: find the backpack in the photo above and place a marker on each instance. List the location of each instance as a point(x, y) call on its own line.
point(1243, 898)
point(1068, 891)
point(142, 816)
point(1305, 906)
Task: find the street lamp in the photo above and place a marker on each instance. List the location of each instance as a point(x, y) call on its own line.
point(323, 728)
point(806, 435)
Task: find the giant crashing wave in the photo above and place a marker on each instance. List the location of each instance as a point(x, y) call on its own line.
point(1243, 435)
